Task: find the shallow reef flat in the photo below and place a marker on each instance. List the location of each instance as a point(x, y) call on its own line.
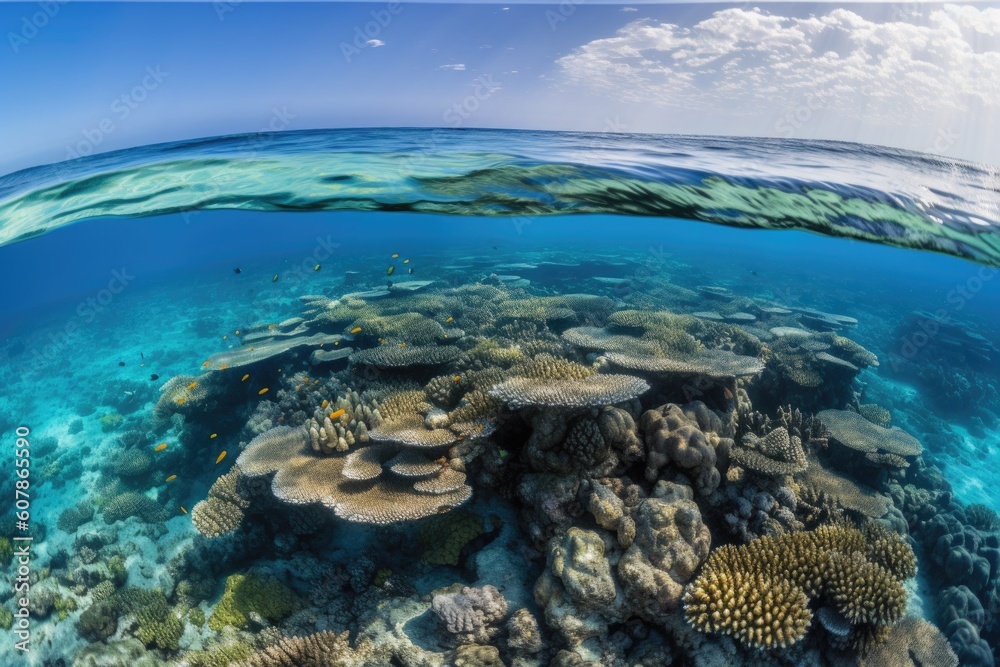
point(529, 460)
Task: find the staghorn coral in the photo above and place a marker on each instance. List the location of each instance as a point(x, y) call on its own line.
point(595, 390)
point(777, 453)
point(686, 437)
point(470, 615)
point(759, 592)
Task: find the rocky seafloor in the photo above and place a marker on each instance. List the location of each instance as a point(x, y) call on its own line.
point(482, 471)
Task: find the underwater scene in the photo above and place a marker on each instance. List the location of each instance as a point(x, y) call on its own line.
point(471, 335)
point(436, 421)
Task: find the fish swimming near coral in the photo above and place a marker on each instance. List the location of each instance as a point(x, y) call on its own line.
point(171, 478)
point(237, 270)
point(406, 261)
point(218, 459)
point(121, 363)
point(337, 414)
point(154, 377)
point(262, 391)
point(395, 255)
point(390, 270)
point(317, 267)
point(245, 378)
point(449, 320)
point(213, 436)
point(274, 278)
point(183, 510)
point(356, 330)
point(160, 447)
point(192, 385)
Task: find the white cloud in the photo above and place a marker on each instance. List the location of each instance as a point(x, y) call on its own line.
point(751, 60)
point(457, 67)
point(375, 43)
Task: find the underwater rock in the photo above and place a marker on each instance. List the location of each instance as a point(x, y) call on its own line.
point(687, 438)
point(471, 615)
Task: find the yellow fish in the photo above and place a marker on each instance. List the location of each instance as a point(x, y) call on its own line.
point(336, 343)
point(324, 404)
point(316, 268)
point(218, 459)
point(395, 255)
point(161, 447)
point(225, 336)
point(181, 401)
point(192, 386)
point(275, 278)
point(262, 391)
point(213, 436)
point(205, 365)
point(237, 332)
point(402, 344)
point(245, 377)
point(356, 330)
point(406, 261)
point(449, 320)
point(338, 414)
point(391, 269)
point(183, 510)
point(223, 367)
point(458, 378)
point(171, 478)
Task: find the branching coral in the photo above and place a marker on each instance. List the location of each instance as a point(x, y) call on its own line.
point(759, 592)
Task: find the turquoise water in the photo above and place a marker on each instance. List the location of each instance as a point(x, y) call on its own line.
point(571, 415)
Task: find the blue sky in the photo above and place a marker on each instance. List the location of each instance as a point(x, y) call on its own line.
point(94, 77)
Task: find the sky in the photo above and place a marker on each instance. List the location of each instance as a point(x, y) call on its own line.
point(78, 78)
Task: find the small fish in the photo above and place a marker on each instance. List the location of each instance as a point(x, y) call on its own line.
point(245, 377)
point(402, 344)
point(406, 261)
point(181, 401)
point(213, 436)
point(237, 270)
point(270, 327)
point(251, 348)
point(753, 273)
point(449, 320)
point(142, 356)
point(223, 367)
point(338, 414)
point(262, 391)
point(121, 363)
point(218, 459)
point(356, 330)
point(729, 394)
point(237, 332)
point(316, 268)
point(154, 377)
point(171, 478)
point(225, 337)
point(183, 510)
point(205, 365)
point(336, 343)
point(410, 271)
point(458, 378)
point(390, 270)
point(160, 447)
point(479, 427)
point(192, 386)
point(324, 404)
point(494, 247)
point(395, 255)
point(274, 278)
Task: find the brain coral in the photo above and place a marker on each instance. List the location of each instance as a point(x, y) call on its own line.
point(675, 436)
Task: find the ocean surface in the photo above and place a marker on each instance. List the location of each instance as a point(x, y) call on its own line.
point(484, 397)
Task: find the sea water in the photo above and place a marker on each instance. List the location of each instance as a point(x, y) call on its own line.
point(467, 485)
